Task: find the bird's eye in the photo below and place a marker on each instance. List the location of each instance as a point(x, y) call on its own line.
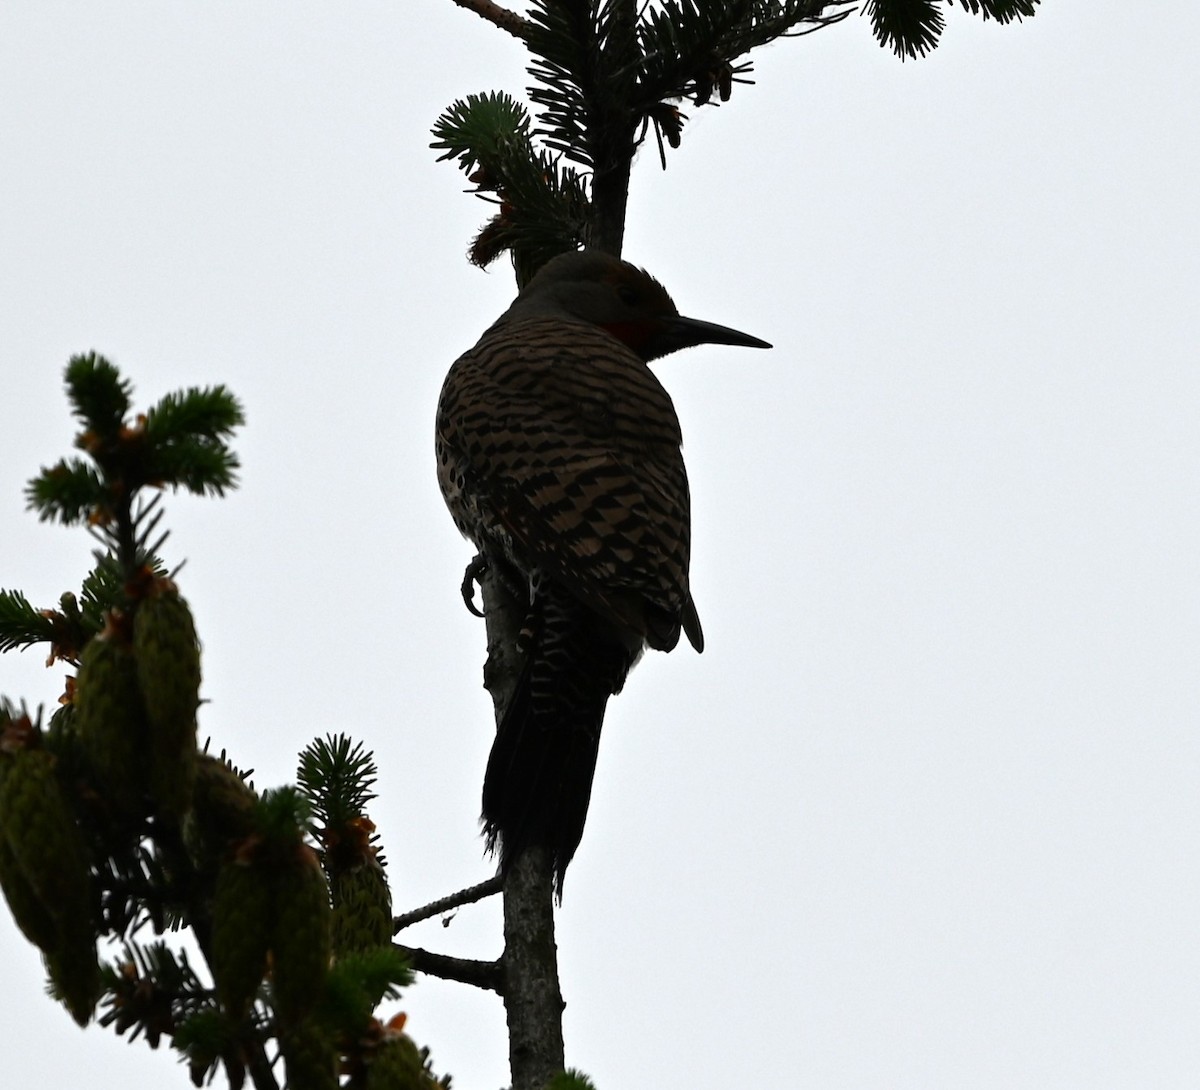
point(629, 295)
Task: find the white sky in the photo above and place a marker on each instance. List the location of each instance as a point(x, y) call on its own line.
point(925, 812)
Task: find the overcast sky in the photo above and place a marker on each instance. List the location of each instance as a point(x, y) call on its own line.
point(924, 814)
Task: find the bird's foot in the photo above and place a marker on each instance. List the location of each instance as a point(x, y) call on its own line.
point(474, 574)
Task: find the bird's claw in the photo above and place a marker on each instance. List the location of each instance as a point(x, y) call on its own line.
point(474, 574)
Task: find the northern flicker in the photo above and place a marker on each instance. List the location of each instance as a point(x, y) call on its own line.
point(558, 455)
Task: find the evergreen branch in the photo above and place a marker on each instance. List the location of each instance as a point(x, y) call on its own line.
point(570, 1080)
point(104, 588)
point(283, 815)
point(208, 1038)
point(599, 75)
point(506, 20)
point(210, 413)
point(544, 206)
point(67, 629)
point(586, 80)
point(684, 39)
point(150, 991)
point(688, 47)
point(566, 37)
point(358, 982)
point(544, 211)
point(69, 492)
point(336, 776)
point(143, 524)
point(203, 1038)
point(21, 625)
point(184, 440)
point(179, 443)
point(1003, 11)
point(98, 394)
point(478, 129)
point(913, 27)
point(203, 467)
point(445, 904)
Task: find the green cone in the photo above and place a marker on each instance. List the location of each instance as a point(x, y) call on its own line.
point(32, 916)
point(41, 832)
point(300, 939)
point(111, 724)
point(309, 1057)
point(362, 909)
point(222, 811)
point(398, 1065)
point(45, 847)
point(168, 669)
point(74, 970)
point(241, 933)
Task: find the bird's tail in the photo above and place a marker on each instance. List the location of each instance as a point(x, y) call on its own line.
point(539, 775)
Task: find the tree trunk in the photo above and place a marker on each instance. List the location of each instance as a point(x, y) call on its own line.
point(532, 999)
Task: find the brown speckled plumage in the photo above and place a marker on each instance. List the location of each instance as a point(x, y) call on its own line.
point(558, 445)
point(558, 453)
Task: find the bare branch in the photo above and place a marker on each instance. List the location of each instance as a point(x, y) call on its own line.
point(482, 974)
point(444, 904)
point(506, 20)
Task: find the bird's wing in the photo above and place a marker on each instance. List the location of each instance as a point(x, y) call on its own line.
point(568, 442)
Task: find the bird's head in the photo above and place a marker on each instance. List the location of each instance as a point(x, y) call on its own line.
point(591, 286)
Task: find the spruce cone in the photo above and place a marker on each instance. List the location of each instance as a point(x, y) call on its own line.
point(74, 970)
point(168, 669)
point(309, 1057)
point(243, 908)
point(398, 1065)
point(362, 909)
point(300, 939)
point(41, 832)
point(45, 848)
point(31, 914)
point(222, 811)
point(111, 723)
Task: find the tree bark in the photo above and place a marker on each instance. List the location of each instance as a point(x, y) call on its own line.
point(611, 131)
point(532, 998)
point(533, 1001)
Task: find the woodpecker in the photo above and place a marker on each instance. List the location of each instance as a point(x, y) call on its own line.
point(558, 455)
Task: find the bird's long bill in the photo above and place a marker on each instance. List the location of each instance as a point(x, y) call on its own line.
point(685, 332)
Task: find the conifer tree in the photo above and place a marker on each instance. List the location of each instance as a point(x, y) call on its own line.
point(607, 76)
point(115, 820)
